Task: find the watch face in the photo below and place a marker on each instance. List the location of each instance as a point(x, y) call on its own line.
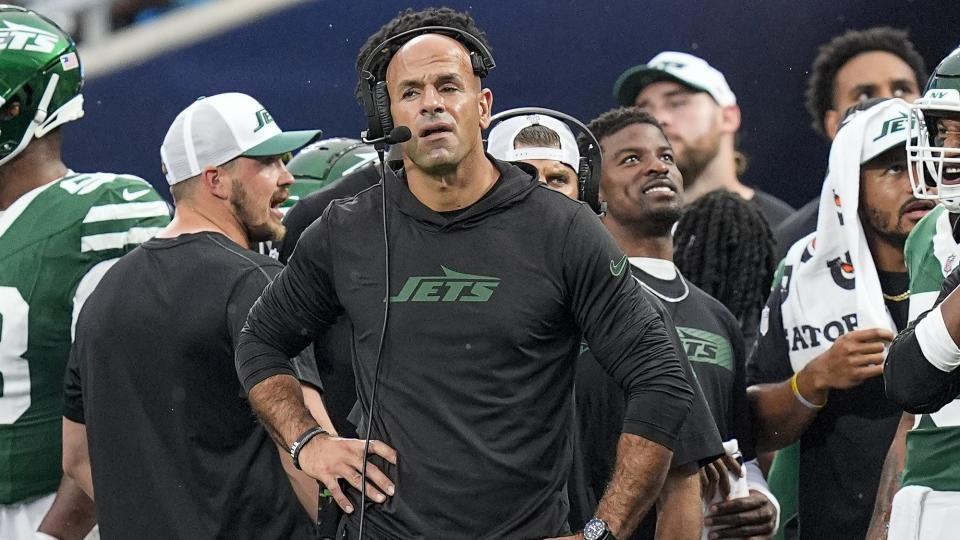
point(594, 529)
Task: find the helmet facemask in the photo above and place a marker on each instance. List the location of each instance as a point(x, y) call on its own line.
point(934, 158)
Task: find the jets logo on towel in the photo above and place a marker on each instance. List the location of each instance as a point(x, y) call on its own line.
point(841, 270)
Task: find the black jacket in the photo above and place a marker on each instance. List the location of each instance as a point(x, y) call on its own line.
point(486, 309)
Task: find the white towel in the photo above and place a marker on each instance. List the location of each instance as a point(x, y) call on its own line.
point(906, 514)
point(829, 279)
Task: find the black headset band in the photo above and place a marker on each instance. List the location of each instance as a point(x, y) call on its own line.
point(589, 184)
point(478, 47)
point(527, 111)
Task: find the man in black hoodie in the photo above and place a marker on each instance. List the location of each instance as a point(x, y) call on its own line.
point(490, 282)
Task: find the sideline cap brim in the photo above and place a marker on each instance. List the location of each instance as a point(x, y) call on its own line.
point(634, 80)
point(288, 141)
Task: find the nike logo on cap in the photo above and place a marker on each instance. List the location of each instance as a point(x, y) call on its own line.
point(133, 195)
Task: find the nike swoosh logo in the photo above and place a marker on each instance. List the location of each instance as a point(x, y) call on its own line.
point(617, 268)
point(133, 195)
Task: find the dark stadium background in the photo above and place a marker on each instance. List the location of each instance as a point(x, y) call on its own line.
point(560, 54)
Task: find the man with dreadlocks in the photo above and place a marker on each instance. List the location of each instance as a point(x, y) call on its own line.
point(839, 297)
point(726, 248)
point(643, 189)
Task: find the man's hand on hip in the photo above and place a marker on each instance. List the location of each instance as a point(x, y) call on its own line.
point(329, 459)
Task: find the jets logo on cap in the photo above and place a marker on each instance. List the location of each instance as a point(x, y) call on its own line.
point(19, 37)
point(669, 64)
point(263, 118)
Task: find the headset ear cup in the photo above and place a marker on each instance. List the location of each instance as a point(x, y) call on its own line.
point(382, 98)
point(590, 180)
point(478, 65)
point(583, 178)
point(370, 106)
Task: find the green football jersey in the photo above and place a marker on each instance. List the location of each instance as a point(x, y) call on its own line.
point(934, 442)
point(50, 239)
point(931, 254)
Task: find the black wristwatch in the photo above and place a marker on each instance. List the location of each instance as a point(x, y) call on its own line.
point(596, 529)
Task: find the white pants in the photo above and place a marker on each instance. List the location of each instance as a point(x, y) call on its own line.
point(20, 521)
point(920, 513)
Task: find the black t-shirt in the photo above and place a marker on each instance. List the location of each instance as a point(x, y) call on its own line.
point(485, 314)
point(175, 449)
point(795, 227)
point(600, 408)
point(773, 209)
point(713, 342)
point(843, 450)
point(710, 337)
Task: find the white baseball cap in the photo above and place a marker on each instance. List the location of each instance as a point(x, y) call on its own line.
point(683, 68)
point(500, 141)
point(213, 130)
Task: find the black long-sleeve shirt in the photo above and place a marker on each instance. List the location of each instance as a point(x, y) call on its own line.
point(486, 310)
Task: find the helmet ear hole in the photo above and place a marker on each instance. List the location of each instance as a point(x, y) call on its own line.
point(10, 110)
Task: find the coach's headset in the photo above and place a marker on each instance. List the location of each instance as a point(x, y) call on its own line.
point(591, 156)
point(373, 90)
point(381, 132)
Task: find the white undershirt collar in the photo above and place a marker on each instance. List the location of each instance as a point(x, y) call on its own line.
point(658, 268)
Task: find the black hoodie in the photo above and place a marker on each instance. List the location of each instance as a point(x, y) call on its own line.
point(485, 316)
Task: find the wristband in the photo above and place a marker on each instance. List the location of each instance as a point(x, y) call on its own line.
point(800, 398)
point(301, 442)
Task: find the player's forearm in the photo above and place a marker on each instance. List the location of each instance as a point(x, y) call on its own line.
point(278, 403)
point(890, 480)
point(780, 417)
point(639, 474)
point(920, 372)
point(72, 514)
point(304, 486)
point(76, 455)
point(680, 508)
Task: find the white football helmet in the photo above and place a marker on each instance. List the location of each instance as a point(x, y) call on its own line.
point(933, 150)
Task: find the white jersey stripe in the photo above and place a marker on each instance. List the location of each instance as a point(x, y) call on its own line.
point(110, 212)
point(101, 242)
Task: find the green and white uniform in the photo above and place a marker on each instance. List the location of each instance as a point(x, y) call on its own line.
point(56, 242)
point(934, 442)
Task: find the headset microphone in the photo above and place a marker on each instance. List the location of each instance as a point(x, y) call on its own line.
point(397, 135)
